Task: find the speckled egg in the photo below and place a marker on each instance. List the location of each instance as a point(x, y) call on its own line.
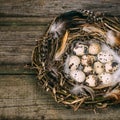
point(98, 67)
point(88, 69)
point(111, 67)
point(91, 80)
point(77, 75)
point(74, 62)
point(106, 78)
point(80, 49)
point(87, 60)
point(94, 48)
point(105, 57)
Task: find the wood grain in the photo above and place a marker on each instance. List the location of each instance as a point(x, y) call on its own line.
point(52, 7)
point(17, 70)
point(20, 96)
point(18, 37)
point(22, 22)
point(16, 47)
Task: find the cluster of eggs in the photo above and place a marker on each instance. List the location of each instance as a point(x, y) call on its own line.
point(91, 65)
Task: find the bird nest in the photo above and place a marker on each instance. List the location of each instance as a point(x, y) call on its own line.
point(78, 59)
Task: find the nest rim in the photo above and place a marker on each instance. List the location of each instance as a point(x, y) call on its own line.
point(60, 89)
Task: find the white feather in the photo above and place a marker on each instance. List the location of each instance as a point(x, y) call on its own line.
point(77, 89)
point(56, 28)
point(110, 38)
point(116, 74)
point(83, 90)
point(115, 55)
point(66, 65)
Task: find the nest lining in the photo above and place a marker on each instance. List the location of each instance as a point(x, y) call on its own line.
point(51, 53)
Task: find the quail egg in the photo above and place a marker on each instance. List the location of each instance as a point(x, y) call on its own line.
point(87, 60)
point(105, 78)
point(74, 62)
point(94, 48)
point(80, 49)
point(87, 69)
point(111, 67)
point(98, 67)
point(91, 80)
point(77, 75)
point(105, 57)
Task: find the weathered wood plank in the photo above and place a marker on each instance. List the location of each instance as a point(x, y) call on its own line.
point(20, 35)
point(52, 7)
point(17, 42)
point(21, 23)
point(21, 96)
point(17, 59)
point(15, 28)
point(24, 69)
point(25, 20)
point(15, 54)
point(18, 97)
point(23, 28)
point(16, 47)
point(24, 24)
point(13, 43)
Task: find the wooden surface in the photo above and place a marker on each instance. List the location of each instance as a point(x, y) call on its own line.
point(21, 23)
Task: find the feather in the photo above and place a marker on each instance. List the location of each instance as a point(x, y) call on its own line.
point(110, 38)
point(78, 89)
point(83, 90)
point(66, 65)
point(113, 38)
point(62, 47)
point(65, 21)
point(56, 28)
point(115, 55)
point(116, 74)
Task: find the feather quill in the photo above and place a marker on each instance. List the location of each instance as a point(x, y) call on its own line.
point(62, 47)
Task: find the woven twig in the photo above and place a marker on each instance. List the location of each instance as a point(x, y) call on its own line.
point(50, 54)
